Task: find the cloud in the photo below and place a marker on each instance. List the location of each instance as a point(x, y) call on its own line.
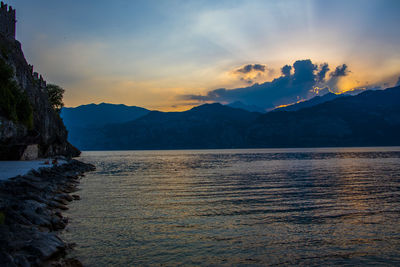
point(300, 81)
point(251, 73)
point(286, 70)
point(304, 71)
point(247, 80)
point(251, 67)
point(340, 71)
point(323, 69)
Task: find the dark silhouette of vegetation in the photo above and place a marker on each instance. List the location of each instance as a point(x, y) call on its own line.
point(55, 94)
point(14, 103)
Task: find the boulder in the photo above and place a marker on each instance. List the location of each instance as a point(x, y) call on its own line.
point(31, 152)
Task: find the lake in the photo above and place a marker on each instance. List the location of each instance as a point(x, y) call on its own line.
point(255, 207)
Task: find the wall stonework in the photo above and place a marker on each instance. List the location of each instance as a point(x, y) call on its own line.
point(7, 21)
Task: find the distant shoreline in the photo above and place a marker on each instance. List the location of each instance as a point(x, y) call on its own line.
point(31, 215)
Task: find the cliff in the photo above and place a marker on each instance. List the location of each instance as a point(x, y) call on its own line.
point(41, 132)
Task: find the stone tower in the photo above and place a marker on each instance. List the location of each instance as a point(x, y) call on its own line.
point(7, 21)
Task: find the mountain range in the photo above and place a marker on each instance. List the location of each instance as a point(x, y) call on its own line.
point(310, 103)
point(370, 118)
point(86, 118)
point(93, 115)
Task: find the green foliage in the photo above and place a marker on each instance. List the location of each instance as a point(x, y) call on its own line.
point(14, 103)
point(55, 94)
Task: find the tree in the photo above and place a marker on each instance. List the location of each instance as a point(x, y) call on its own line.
point(55, 94)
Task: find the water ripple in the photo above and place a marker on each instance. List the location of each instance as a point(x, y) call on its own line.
point(271, 207)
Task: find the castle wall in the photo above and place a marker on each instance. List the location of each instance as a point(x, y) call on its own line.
point(7, 21)
point(7, 29)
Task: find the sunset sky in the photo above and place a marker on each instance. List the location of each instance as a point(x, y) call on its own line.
point(170, 55)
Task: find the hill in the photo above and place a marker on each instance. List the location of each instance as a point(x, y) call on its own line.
point(83, 121)
point(311, 102)
point(371, 118)
point(368, 119)
point(93, 115)
point(206, 126)
point(241, 105)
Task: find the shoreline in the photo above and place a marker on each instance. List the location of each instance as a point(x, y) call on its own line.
point(31, 217)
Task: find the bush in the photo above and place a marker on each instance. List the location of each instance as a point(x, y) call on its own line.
point(14, 103)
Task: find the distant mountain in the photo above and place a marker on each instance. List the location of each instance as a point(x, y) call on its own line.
point(206, 126)
point(371, 118)
point(101, 114)
point(368, 119)
point(83, 119)
point(310, 103)
point(319, 100)
point(241, 105)
point(358, 91)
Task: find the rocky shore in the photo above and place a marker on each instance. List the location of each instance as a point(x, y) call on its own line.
point(31, 209)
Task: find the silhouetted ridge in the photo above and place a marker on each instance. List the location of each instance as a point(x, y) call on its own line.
point(206, 126)
point(100, 114)
point(311, 102)
point(368, 119)
point(241, 105)
point(83, 121)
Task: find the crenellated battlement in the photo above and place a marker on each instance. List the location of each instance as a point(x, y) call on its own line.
point(7, 21)
point(38, 78)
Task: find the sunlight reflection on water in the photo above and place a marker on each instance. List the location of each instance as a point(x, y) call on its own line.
point(239, 207)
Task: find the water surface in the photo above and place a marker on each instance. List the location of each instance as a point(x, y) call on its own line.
point(328, 206)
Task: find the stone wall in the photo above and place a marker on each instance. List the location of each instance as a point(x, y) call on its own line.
point(7, 21)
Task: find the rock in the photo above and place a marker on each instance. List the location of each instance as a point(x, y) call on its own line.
point(31, 206)
point(37, 185)
point(36, 218)
point(31, 152)
point(55, 204)
point(16, 217)
point(69, 188)
point(72, 263)
point(76, 197)
point(32, 178)
point(6, 260)
point(37, 198)
point(21, 261)
point(67, 197)
point(45, 246)
point(5, 234)
point(61, 200)
point(34, 206)
point(37, 213)
point(59, 222)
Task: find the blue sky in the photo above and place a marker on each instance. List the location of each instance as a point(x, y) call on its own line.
point(150, 53)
